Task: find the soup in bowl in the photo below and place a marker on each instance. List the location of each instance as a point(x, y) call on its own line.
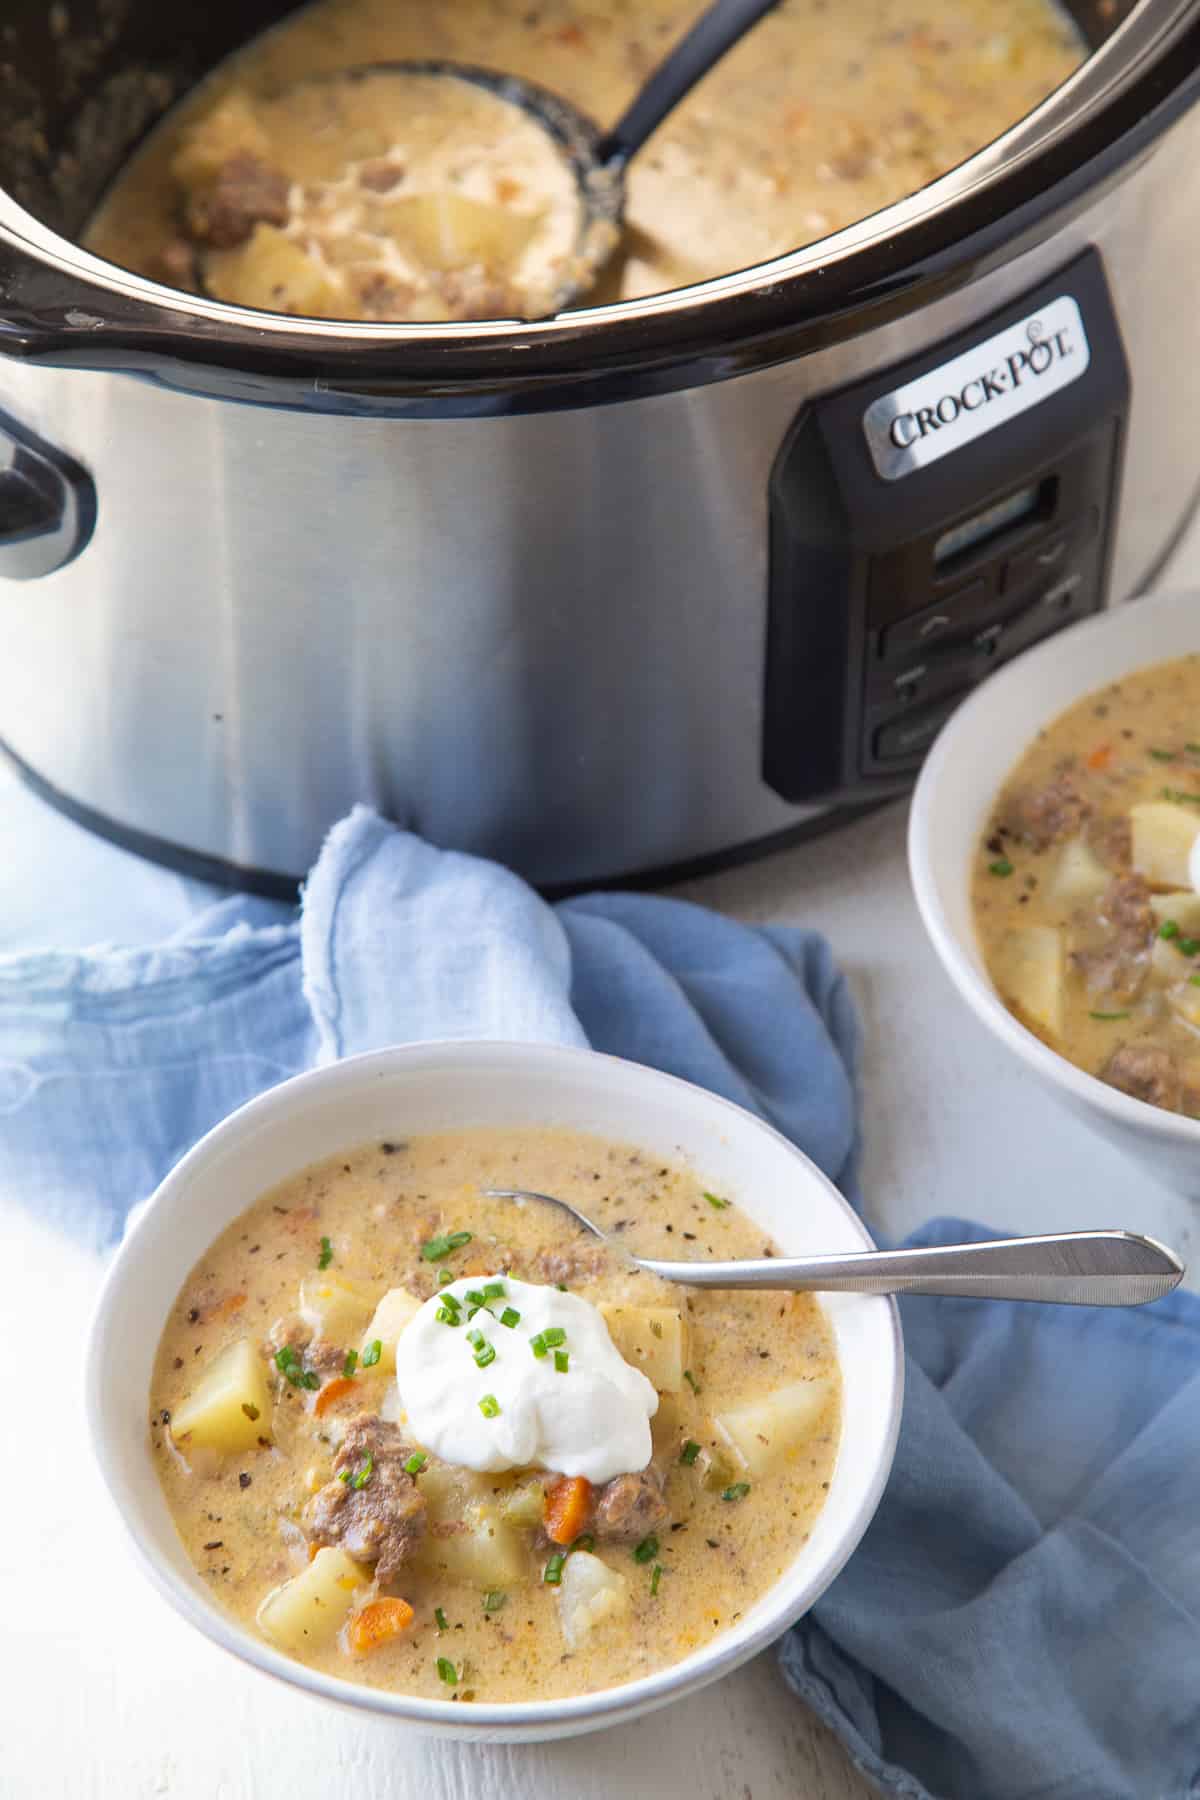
point(1050, 847)
point(445, 1456)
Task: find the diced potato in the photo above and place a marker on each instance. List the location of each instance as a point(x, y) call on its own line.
point(229, 1409)
point(488, 1553)
point(1163, 835)
point(1030, 969)
point(392, 1314)
point(229, 130)
point(308, 1611)
point(523, 1505)
point(273, 273)
point(765, 1433)
point(1184, 908)
point(1184, 1002)
point(715, 1470)
point(589, 1593)
point(652, 1339)
point(1078, 875)
point(335, 1308)
point(450, 231)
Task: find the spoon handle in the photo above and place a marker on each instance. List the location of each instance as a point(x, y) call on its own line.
point(715, 32)
point(1075, 1268)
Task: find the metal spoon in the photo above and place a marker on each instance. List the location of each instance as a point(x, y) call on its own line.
point(1074, 1268)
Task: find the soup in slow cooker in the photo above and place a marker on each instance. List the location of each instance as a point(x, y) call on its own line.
point(1085, 886)
point(281, 184)
point(452, 1446)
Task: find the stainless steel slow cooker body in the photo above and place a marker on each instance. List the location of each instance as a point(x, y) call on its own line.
point(507, 583)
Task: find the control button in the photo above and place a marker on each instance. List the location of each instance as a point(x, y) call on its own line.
point(936, 623)
point(1061, 596)
point(1036, 563)
point(912, 735)
point(1068, 599)
point(987, 641)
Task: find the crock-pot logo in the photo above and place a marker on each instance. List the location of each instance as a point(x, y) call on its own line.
point(984, 387)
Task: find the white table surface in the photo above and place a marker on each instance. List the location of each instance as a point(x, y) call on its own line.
point(106, 1693)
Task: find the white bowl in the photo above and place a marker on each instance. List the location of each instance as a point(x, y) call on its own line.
point(437, 1087)
point(971, 759)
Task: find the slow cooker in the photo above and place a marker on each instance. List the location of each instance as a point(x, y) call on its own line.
point(636, 588)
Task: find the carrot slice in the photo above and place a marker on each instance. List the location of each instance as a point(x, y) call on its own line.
point(331, 1393)
point(1100, 757)
point(566, 1509)
point(378, 1623)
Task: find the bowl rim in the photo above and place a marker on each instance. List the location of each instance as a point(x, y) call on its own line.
point(975, 989)
point(726, 1652)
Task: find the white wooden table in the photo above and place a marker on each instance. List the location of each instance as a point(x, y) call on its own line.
point(107, 1694)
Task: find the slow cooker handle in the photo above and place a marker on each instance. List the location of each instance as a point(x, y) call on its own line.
point(47, 505)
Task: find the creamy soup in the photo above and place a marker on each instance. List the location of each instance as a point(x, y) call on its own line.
point(610, 1470)
point(313, 199)
point(1085, 886)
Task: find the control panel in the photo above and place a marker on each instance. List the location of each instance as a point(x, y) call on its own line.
point(930, 524)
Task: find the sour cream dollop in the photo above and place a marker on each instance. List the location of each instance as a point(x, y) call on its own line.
point(593, 1419)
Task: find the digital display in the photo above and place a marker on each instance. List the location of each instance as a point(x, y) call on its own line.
point(987, 524)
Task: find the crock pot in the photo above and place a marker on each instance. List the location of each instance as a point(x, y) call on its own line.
point(632, 589)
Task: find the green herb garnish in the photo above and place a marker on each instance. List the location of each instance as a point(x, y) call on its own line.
point(445, 1276)
point(1180, 796)
point(585, 1541)
point(715, 1200)
point(372, 1353)
point(493, 1601)
point(738, 1491)
point(1192, 749)
point(691, 1381)
point(489, 1406)
point(350, 1364)
point(1001, 866)
point(1168, 929)
point(365, 1473)
point(561, 1361)
point(1194, 980)
point(1107, 1015)
point(552, 1573)
point(1187, 946)
point(447, 1670)
point(561, 1286)
point(538, 1345)
point(485, 1356)
point(475, 1298)
point(554, 1335)
point(439, 1619)
point(437, 1249)
point(415, 1463)
point(446, 1317)
point(326, 1256)
point(290, 1366)
point(510, 1317)
point(690, 1452)
point(493, 1290)
point(655, 1579)
point(1162, 755)
point(476, 1338)
point(647, 1550)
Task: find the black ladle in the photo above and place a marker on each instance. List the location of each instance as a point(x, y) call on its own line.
point(598, 159)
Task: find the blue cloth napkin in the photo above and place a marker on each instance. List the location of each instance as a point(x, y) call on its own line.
point(1023, 1616)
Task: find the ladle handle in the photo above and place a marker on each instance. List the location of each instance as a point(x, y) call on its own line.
point(1076, 1268)
point(715, 32)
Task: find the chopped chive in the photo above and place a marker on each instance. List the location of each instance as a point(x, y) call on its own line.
point(655, 1578)
point(447, 1670)
point(445, 1276)
point(647, 1550)
point(446, 1317)
point(437, 1249)
point(372, 1353)
point(1187, 946)
point(415, 1463)
point(1168, 929)
point(552, 1573)
point(284, 1358)
point(562, 1361)
point(477, 1338)
point(439, 1618)
point(715, 1200)
point(538, 1345)
point(350, 1364)
point(1162, 755)
point(738, 1491)
point(489, 1406)
point(690, 1452)
point(310, 1380)
point(326, 1256)
point(510, 1317)
point(493, 1601)
point(561, 1286)
point(365, 1473)
point(1192, 749)
point(1001, 866)
point(493, 1290)
point(584, 1542)
point(1180, 796)
point(691, 1381)
point(485, 1356)
point(553, 1336)
point(1194, 980)
point(251, 1411)
point(1107, 1015)
point(344, 1476)
point(473, 1297)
